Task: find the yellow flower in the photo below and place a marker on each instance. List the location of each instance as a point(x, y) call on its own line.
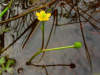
point(42, 16)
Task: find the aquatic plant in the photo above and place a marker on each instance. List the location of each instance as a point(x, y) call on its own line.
point(76, 45)
point(6, 65)
point(68, 14)
point(42, 16)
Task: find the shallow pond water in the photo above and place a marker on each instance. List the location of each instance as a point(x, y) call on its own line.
point(71, 21)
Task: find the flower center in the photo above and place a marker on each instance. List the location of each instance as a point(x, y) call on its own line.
point(43, 14)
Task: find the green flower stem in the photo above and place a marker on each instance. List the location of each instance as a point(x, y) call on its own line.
point(42, 28)
point(76, 45)
point(58, 48)
point(3, 12)
point(34, 56)
point(48, 50)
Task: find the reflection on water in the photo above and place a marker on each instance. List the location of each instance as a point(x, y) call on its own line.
point(71, 21)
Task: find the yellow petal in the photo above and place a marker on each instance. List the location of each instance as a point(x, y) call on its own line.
point(45, 19)
point(42, 11)
point(39, 18)
point(37, 13)
point(48, 14)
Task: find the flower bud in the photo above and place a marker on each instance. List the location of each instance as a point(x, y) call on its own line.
point(77, 45)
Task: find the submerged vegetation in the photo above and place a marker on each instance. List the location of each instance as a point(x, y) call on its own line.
point(6, 64)
point(70, 20)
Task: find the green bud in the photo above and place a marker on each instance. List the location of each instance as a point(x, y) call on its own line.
point(77, 45)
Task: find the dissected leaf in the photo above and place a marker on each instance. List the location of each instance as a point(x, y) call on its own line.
point(12, 62)
point(3, 67)
point(9, 70)
point(8, 64)
point(2, 61)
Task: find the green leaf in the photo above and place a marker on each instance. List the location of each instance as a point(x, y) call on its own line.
point(8, 64)
point(2, 61)
point(12, 62)
point(3, 67)
point(10, 70)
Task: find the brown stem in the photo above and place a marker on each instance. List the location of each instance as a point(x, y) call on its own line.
point(48, 4)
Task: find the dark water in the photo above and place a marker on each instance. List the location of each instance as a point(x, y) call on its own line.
point(71, 21)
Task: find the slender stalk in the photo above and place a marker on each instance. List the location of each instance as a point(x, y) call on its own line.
point(29, 62)
point(42, 28)
point(72, 65)
point(58, 48)
point(49, 36)
point(34, 56)
point(51, 65)
point(76, 45)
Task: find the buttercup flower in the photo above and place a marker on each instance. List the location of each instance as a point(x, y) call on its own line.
point(42, 16)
